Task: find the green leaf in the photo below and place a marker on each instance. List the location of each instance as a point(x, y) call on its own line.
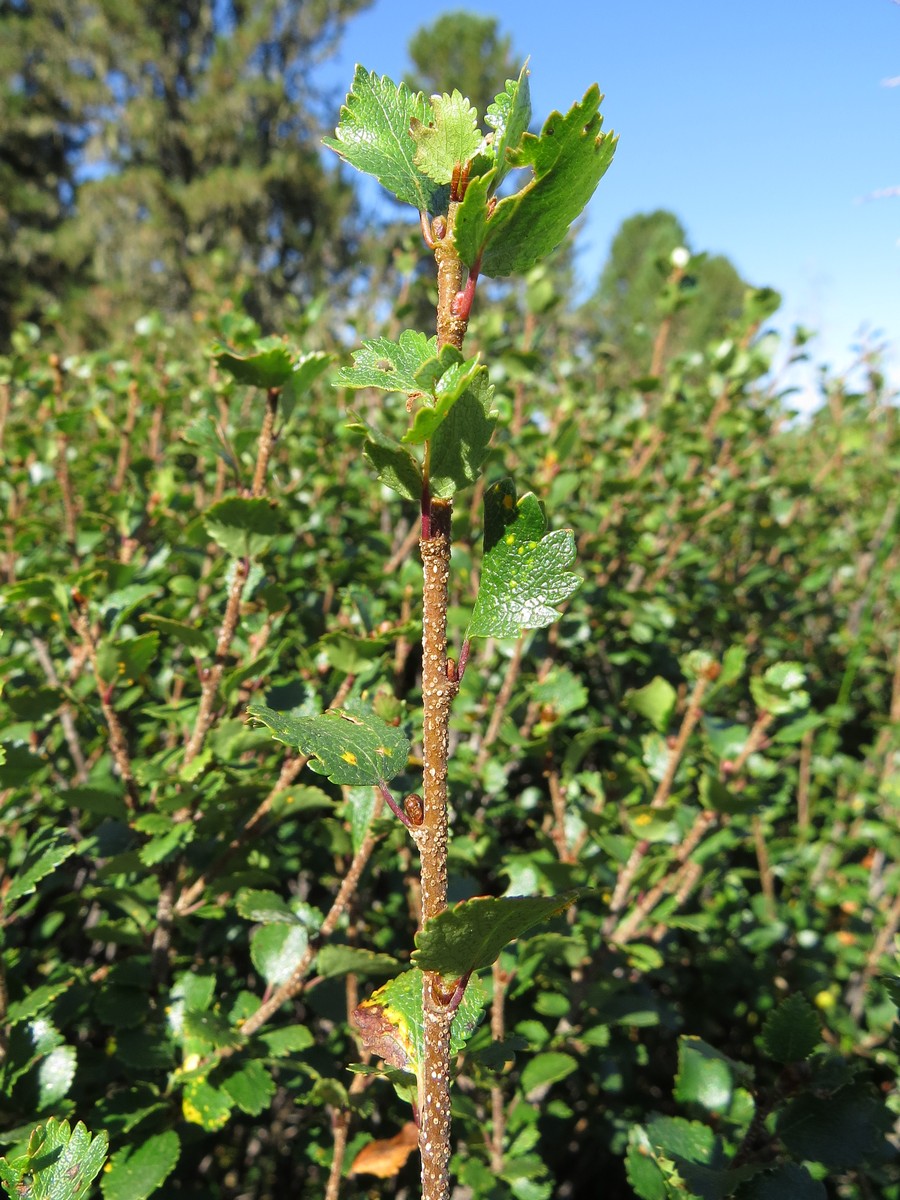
point(59, 1164)
point(306, 370)
point(645, 1174)
point(787, 1182)
point(446, 390)
point(251, 1088)
point(264, 908)
point(792, 1031)
point(780, 689)
point(524, 568)
point(210, 1028)
point(471, 935)
point(334, 961)
point(568, 159)
point(705, 1076)
point(544, 1069)
point(243, 526)
point(390, 366)
point(137, 1171)
point(839, 1130)
point(271, 366)
point(45, 853)
point(55, 1074)
point(188, 636)
point(461, 441)
point(350, 745)
point(205, 1105)
point(289, 1040)
point(509, 117)
point(276, 951)
point(449, 139)
point(374, 136)
point(204, 432)
point(35, 1001)
point(393, 463)
point(391, 1021)
point(126, 660)
point(656, 701)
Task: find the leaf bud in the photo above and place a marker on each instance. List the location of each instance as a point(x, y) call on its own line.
point(414, 807)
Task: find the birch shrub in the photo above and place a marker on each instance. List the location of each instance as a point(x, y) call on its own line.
point(670, 792)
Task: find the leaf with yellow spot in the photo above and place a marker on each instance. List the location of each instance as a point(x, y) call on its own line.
point(392, 1025)
point(351, 746)
point(524, 573)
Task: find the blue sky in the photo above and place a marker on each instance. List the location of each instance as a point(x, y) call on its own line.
point(763, 127)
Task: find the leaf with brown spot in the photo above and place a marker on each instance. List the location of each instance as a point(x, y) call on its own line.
point(387, 1156)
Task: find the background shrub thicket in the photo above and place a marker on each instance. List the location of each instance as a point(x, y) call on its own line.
point(708, 739)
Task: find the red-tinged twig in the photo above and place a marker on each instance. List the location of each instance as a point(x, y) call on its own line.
point(499, 981)
point(630, 925)
point(294, 985)
point(290, 769)
point(124, 456)
point(66, 720)
point(498, 712)
point(209, 687)
point(558, 832)
point(629, 871)
point(804, 776)
point(64, 479)
point(266, 443)
point(118, 743)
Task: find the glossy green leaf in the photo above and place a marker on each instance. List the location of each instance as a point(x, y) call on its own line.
point(179, 633)
point(251, 1088)
point(135, 1172)
point(460, 443)
point(264, 908)
point(449, 139)
point(55, 1074)
point(390, 366)
point(243, 526)
point(276, 950)
point(374, 136)
point(705, 1076)
point(307, 368)
point(656, 701)
point(350, 745)
point(780, 689)
point(290, 1039)
point(839, 1130)
point(334, 961)
point(35, 1001)
point(792, 1031)
point(205, 433)
point(786, 1182)
point(270, 367)
point(47, 851)
point(447, 389)
point(544, 1069)
point(524, 572)
point(60, 1163)
point(394, 465)
point(509, 117)
point(471, 935)
point(568, 158)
